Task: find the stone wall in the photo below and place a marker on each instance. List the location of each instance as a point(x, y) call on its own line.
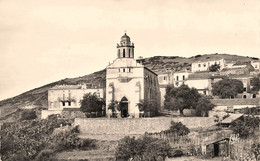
point(232, 102)
point(72, 114)
point(137, 126)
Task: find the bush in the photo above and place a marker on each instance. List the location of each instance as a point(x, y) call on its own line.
point(68, 140)
point(145, 149)
point(28, 115)
point(178, 128)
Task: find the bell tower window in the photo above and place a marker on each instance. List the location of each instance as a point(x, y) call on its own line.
point(129, 51)
point(123, 53)
point(118, 53)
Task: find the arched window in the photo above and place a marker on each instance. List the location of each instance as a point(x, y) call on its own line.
point(129, 52)
point(254, 96)
point(118, 53)
point(123, 53)
point(244, 96)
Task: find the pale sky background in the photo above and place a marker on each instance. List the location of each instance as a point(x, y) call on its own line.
point(42, 41)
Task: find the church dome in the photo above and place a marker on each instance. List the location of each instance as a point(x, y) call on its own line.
point(125, 38)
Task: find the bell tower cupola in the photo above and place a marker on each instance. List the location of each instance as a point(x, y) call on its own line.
point(125, 49)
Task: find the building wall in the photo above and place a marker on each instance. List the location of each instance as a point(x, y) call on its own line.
point(162, 93)
point(204, 66)
point(125, 83)
point(151, 87)
point(256, 64)
point(56, 97)
point(202, 85)
point(180, 78)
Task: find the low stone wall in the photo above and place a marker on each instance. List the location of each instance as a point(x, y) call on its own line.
point(72, 114)
point(232, 102)
point(136, 126)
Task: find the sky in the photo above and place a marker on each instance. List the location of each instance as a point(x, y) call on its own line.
point(42, 41)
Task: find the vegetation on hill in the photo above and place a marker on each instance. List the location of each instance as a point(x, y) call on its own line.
point(30, 139)
point(38, 96)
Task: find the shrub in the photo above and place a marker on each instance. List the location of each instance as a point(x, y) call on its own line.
point(178, 128)
point(68, 140)
point(145, 149)
point(28, 115)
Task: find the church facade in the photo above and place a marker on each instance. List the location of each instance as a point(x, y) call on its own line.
point(129, 82)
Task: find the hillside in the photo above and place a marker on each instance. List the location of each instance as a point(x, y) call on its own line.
point(38, 96)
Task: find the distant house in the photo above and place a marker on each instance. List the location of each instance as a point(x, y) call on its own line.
point(245, 79)
point(164, 78)
point(180, 78)
point(204, 65)
point(238, 68)
point(256, 64)
point(203, 81)
point(67, 97)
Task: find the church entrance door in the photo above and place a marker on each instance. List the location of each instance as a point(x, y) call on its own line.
point(124, 107)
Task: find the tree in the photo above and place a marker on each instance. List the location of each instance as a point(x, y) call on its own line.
point(214, 67)
point(227, 88)
point(148, 106)
point(91, 103)
point(181, 98)
point(203, 106)
point(245, 126)
point(114, 106)
point(145, 149)
point(255, 83)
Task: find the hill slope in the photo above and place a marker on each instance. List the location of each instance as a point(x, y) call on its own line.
point(38, 96)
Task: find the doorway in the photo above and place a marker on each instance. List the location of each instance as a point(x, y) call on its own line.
point(216, 149)
point(124, 107)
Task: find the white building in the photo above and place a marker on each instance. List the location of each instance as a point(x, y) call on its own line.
point(180, 78)
point(205, 64)
point(68, 97)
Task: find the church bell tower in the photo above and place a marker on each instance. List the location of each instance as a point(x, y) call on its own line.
point(125, 49)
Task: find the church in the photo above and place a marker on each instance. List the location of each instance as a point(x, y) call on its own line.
point(129, 82)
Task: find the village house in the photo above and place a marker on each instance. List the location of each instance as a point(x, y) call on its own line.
point(165, 78)
point(67, 97)
point(238, 68)
point(180, 78)
point(256, 64)
point(204, 65)
point(129, 82)
point(203, 81)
